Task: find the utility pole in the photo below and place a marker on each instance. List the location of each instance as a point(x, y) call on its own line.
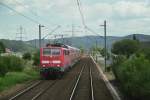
point(20, 34)
point(105, 42)
point(40, 35)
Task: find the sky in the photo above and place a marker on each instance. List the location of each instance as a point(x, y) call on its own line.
point(123, 17)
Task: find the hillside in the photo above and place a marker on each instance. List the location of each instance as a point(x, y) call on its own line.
point(86, 42)
point(89, 41)
point(17, 46)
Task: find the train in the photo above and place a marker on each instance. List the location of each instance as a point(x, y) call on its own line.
point(56, 59)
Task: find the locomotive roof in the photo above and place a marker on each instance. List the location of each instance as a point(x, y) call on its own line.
point(61, 45)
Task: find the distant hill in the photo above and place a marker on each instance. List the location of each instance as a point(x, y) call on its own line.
point(17, 46)
point(85, 41)
point(89, 41)
point(141, 37)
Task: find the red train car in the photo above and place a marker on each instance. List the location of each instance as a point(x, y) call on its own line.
point(55, 59)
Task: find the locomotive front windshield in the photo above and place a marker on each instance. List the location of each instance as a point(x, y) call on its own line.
point(51, 51)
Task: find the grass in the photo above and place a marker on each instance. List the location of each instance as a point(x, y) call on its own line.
point(13, 78)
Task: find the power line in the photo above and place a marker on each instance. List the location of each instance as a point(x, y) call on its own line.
point(81, 13)
point(83, 19)
point(52, 31)
point(92, 31)
point(10, 8)
point(31, 11)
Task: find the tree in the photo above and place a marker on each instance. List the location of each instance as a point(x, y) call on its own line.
point(2, 47)
point(27, 56)
point(82, 49)
point(36, 58)
point(125, 47)
point(102, 51)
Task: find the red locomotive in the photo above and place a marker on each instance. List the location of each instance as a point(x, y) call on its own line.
point(55, 59)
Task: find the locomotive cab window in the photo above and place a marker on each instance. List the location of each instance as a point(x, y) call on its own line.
point(55, 51)
point(50, 51)
point(46, 51)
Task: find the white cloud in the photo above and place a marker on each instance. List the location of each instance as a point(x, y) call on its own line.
point(131, 9)
point(123, 16)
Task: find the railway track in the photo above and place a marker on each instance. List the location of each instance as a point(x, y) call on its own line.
point(82, 82)
point(86, 69)
point(34, 91)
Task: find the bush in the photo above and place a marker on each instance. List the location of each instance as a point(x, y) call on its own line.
point(3, 67)
point(15, 63)
point(27, 56)
point(117, 61)
point(102, 51)
point(2, 47)
point(144, 51)
point(125, 47)
point(36, 58)
point(10, 63)
point(134, 76)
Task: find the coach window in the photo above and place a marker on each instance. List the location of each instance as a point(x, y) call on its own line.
point(68, 52)
point(65, 52)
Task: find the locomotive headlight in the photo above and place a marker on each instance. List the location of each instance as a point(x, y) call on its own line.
point(45, 62)
point(56, 61)
point(43, 65)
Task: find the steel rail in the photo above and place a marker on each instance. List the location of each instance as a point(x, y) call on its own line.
point(75, 86)
point(40, 93)
point(25, 90)
point(91, 83)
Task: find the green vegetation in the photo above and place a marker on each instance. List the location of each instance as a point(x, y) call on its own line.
point(98, 50)
point(27, 56)
point(82, 49)
point(134, 77)
point(15, 70)
point(10, 63)
point(95, 50)
point(125, 47)
point(132, 69)
point(12, 78)
point(2, 47)
point(102, 51)
point(36, 58)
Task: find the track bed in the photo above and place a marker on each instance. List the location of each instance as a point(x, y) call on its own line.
point(82, 82)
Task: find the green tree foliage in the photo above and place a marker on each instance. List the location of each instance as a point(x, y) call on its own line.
point(117, 61)
point(102, 51)
point(95, 50)
point(2, 47)
point(125, 47)
point(145, 52)
point(27, 56)
point(3, 67)
point(36, 58)
point(82, 49)
point(134, 76)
